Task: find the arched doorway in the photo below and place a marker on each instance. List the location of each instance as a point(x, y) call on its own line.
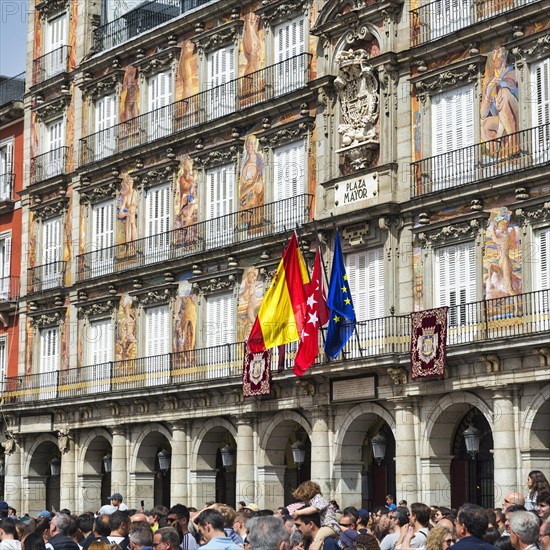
point(44, 478)
point(95, 479)
point(472, 475)
point(297, 462)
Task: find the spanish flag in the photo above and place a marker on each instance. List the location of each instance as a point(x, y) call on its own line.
point(282, 315)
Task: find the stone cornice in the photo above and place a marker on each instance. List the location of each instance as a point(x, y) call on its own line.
point(286, 133)
point(219, 36)
point(97, 193)
point(530, 48)
point(161, 60)
point(462, 228)
point(95, 88)
point(158, 294)
point(148, 176)
point(533, 212)
point(52, 108)
point(50, 209)
point(103, 307)
point(273, 13)
point(210, 283)
point(47, 8)
point(41, 319)
point(226, 153)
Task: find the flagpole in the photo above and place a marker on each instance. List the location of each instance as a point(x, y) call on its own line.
point(326, 276)
point(355, 323)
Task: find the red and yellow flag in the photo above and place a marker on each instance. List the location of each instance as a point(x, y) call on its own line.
point(282, 314)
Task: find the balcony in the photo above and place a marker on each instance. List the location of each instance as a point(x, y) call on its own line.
point(235, 228)
point(514, 317)
point(45, 277)
point(51, 64)
point(489, 159)
point(145, 17)
point(445, 17)
point(215, 103)
point(49, 165)
point(6, 187)
point(9, 289)
point(12, 89)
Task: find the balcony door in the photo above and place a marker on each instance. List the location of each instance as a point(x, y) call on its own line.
point(220, 330)
point(540, 301)
point(448, 16)
point(221, 96)
point(100, 354)
point(51, 253)
point(158, 214)
point(220, 193)
point(105, 142)
point(5, 267)
point(53, 163)
point(56, 38)
point(540, 78)
point(49, 362)
point(160, 112)
point(3, 360)
point(6, 170)
point(103, 234)
point(291, 65)
point(157, 342)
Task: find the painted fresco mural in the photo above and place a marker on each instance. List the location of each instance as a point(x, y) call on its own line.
point(69, 131)
point(186, 206)
point(126, 329)
point(65, 337)
point(252, 54)
point(67, 240)
point(127, 210)
point(251, 184)
point(187, 74)
point(129, 96)
point(30, 345)
point(72, 35)
point(185, 317)
point(249, 301)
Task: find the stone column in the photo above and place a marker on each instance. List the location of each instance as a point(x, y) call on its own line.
point(203, 486)
point(67, 488)
point(348, 477)
point(244, 456)
point(119, 466)
point(320, 451)
point(13, 489)
point(179, 465)
point(271, 486)
point(406, 478)
point(436, 480)
point(504, 444)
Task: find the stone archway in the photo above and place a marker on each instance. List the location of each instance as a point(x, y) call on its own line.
point(535, 434)
point(42, 481)
point(94, 472)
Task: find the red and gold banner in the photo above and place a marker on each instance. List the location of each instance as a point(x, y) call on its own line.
point(428, 343)
point(257, 373)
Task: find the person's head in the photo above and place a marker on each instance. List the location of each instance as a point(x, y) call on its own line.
point(399, 516)
point(156, 513)
point(239, 523)
point(348, 538)
point(281, 511)
point(544, 535)
point(543, 505)
point(267, 533)
point(308, 525)
point(178, 514)
point(209, 524)
point(138, 517)
point(439, 538)
point(440, 512)
point(288, 522)
point(512, 498)
point(7, 529)
point(347, 521)
point(227, 512)
point(390, 499)
point(119, 522)
point(364, 541)
point(306, 491)
point(12, 511)
point(85, 523)
point(524, 529)
point(101, 526)
point(536, 481)
point(363, 517)
point(166, 538)
point(402, 503)
point(471, 520)
point(35, 541)
point(141, 536)
point(59, 524)
point(116, 499)
point(447, 523)
point(420, 513)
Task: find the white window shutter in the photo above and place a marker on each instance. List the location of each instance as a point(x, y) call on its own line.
point(57, 33)
point(49, 349)
point(157, 331)
point(290, 38)
point(220, 319)
point(543, 270)
point(100, 342)
point(456, 275)
point(540, 78)
point(3, 361)
point(289, 167)
point(105, 112)
point(356, 270)
point(5, 257)
point(103, 230)
point(375, 282)
point(51, 245)
point(158, 210)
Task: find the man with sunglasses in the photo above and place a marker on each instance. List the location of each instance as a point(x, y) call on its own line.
point(210, 526)
point(178, 518)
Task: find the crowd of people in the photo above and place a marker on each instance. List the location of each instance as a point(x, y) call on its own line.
point(310, 523)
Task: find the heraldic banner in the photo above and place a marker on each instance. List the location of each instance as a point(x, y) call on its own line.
point(428, 342)
point(257, 373)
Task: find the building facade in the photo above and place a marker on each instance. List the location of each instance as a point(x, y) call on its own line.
point(174, 145)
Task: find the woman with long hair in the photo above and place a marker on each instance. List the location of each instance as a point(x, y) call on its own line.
point(439, 538)
point(536, 483)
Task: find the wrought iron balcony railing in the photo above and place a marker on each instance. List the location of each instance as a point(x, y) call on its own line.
point(485, 160)
point(143, 18)
point(224, 231)
point(49, 165)
point(235, 95)
point(12, 89)
point(6, 187)
point(9, 289)
point(50, 65)
point(511, 317)
point(443, 17)
point(46, 276)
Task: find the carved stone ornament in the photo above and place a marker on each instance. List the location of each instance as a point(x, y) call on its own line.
point(450, 232)
point(156, 175)
point(357, 88)
point(9, 444)
point(531, 51)
point(156, 296)
point(216, 283)
point(398, 375)
point(97, 309)
point(47, 8)
point(159, 61)
point(51, 209)
point(95, 88)
point(275, 12)
point(540, 212)
point(63, 440)
point(209, 159)
point(287, 134)
point(97, 194)
point(219, 36)
point(47, 319)
point(52, 108)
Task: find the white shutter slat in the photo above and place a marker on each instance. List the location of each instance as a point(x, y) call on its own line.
point(157, 332)
point(158, 222)
point(220, 199)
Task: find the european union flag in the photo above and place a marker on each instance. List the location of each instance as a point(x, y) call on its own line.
point(342, 315)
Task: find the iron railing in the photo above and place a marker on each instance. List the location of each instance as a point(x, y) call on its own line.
point(12, 89)
point(444, 17)
point(511, 153)
point(9, 289)
point(224, 231)
point(49, 165)
point(50, 65)
point(511, 317)
point(143, 18)
point(6, 187)
point(233, 96)
point(45, 276)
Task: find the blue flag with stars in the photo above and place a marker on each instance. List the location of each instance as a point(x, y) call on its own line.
point(342, 315)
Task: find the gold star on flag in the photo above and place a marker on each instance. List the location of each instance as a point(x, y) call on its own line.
point(345, 277)
point(344, 289)
point(347, 301)
point(336, 319)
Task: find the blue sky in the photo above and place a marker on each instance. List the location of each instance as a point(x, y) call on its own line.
point(13, 36)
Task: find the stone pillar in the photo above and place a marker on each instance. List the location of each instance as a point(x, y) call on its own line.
point(119, 473)
point(67, 487)
point(244, 456)
point(179, 465)
point(13, 489)
point(320, 451)
point(436, 480)
point(504, 444)
point(406, 478)
point(271, 486)
point(203, 487)
point(349, 479)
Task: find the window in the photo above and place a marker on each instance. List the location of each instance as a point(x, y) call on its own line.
point(53, 163)
point(220, 330)
point(3, 360)
point(105, 119)
point(289, 182)
point(221, 96)
point(540, 80)
point(542, 269)
point(103, 234)
point(452, 130)
point(291, 64)
point(447, 16)
point(49, 362)
point(160, 97)
point(157, 207)
point(99, 343)
point(220, 183)
point(5, 266)
point(6, 170)
point(157, 342)
point(56, 38)
point(51, 267)
point(455, 286)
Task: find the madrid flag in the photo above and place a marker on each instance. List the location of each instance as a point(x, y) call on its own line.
point(282, 315)
point(317, 316)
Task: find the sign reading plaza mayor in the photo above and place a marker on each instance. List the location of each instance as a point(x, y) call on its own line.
point(357, 189)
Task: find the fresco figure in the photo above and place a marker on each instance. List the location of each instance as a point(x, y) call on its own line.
point(126, 345)
point(129, 96)
point(127, 208)
point(252, 51)
point(185, 323)
point(251, 185)
point(499, 106)
point(184, 75)
point(250, 298)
